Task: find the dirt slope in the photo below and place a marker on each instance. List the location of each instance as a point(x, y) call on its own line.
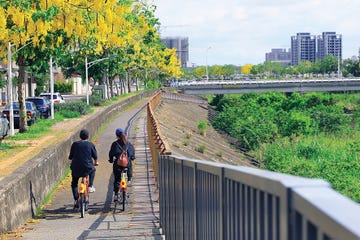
point(179, 123)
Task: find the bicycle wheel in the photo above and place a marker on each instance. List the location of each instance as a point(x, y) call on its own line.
point(82, 205)
point(87, 202)
point(123, 196)
point(115, 203)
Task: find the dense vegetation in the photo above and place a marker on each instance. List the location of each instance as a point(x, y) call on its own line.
point(312, 135)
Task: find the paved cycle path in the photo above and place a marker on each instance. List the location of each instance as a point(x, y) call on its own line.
point(141, 217)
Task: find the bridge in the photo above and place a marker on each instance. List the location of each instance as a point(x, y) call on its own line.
point(175, 197)
point(303, 85)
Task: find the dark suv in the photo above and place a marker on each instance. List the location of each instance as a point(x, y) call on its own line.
point(42, 105)
point(31, 113)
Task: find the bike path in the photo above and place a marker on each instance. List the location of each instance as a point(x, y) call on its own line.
point(141, 217)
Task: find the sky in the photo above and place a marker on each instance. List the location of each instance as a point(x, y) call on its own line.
point(241, 31)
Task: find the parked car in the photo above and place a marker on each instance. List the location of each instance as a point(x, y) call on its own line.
point(31, 113)
point(42, 104)
point(4, 126)
point(57, 98)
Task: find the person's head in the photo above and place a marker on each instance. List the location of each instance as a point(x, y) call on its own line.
point(84, 134)
point(120, 134)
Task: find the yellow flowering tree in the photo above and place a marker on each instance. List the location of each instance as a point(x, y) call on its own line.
point(246, 69)
point(47, 25)
point(43, 28)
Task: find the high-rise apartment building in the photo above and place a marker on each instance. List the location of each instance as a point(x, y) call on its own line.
point(329, 43)
point(279, 55)
point(181, 44)
point(303, 48)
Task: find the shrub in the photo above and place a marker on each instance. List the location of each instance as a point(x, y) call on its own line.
point(69, 114)
point(96, 100)
point(293, 123)
point(78, 106)
point(201, 148)
point(202, 127)
point(188, 135)
point(329, 118)
point(63, 87)
point(218, 153)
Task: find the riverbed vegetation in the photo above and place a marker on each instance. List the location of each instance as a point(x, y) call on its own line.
point(313, 135)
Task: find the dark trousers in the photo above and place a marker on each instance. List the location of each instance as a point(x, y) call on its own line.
point(117, 175)
point(75, 181)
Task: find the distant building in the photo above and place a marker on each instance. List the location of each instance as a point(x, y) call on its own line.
point(329, 43)
point(181, 44)
point(303, 48)
point(279, 55)
point(307, 47)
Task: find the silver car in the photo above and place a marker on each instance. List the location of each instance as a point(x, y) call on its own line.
point(4, 126)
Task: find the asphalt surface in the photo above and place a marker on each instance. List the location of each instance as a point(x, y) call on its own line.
point(141, 217)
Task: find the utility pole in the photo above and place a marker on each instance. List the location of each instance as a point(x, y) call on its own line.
point(207, 71)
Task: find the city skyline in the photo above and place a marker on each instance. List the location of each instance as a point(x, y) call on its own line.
point(241, 33)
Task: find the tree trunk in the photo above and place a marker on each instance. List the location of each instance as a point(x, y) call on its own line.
point(128, 80)
point(111, 86)
point(21, 98)
point(105, 82)
point(122, 86)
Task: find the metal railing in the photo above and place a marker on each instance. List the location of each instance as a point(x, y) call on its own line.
point(207, 200)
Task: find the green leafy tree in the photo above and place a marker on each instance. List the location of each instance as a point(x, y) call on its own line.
point(229, 70)
point(304, 67)
point(200, 72)
point(329, 64)
point(351, 67)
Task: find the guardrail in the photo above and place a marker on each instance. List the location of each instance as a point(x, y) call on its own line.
point(207, 200)
point(158, 145)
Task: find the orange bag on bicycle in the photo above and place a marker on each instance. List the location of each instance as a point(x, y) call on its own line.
point(123, 159)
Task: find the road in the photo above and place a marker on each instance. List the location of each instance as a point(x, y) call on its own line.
point(139, 221)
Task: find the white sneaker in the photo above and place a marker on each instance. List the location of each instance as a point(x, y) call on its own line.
point(92, 189)
point(129, 183)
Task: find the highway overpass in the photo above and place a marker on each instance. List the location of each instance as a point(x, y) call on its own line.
point(234, 87)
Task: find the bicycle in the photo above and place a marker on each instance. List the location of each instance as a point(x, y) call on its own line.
point(84, 195)
point(123, 195)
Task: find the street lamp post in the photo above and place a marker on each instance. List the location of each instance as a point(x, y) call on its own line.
point(52, 88)
point(338, 62)
point(87, 81)
point(207, 71)
point(10, 89)
point(87, 66)
point(10, 86)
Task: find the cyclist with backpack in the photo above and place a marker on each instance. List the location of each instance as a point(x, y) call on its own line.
point(83, 156)
point(117, 147)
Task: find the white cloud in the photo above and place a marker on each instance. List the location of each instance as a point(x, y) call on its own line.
point(242, 31)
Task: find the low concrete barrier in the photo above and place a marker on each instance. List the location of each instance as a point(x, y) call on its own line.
point(26, 188)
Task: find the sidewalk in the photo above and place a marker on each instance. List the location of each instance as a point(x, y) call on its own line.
point(141, 218)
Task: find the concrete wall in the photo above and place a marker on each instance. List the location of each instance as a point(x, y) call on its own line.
point(26, 188)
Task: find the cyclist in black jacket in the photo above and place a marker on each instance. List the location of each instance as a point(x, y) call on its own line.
point(115, 152)
point(82, 153)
